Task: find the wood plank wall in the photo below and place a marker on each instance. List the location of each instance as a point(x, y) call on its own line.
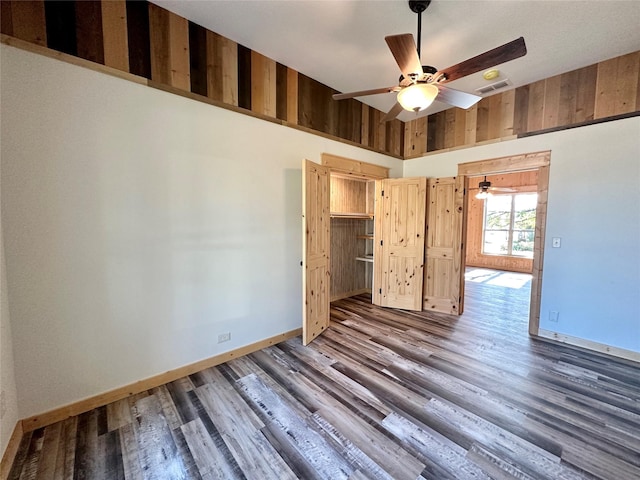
point(608, 89)
point(169, 51)
point(148, 41)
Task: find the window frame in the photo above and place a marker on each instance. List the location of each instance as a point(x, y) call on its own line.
point(510, 231)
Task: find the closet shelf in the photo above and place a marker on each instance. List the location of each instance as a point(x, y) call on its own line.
point(366, 258)
point(350, 215)
point(366, 237)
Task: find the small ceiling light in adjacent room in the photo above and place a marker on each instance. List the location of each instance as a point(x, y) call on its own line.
point(484, 189)
point(417, 97)
point(491, 74)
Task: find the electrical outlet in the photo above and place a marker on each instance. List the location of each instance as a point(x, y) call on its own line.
point(556, 242)
point(553, 316)
point(224, 337)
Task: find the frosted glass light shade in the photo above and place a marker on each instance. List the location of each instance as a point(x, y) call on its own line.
point(417, 97)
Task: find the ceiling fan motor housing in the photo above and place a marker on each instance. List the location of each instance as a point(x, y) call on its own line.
point(427, 70)
point(418, 6)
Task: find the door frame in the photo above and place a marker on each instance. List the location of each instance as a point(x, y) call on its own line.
point(539, 161)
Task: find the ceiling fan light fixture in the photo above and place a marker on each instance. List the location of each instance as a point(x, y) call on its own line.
point(484, 189)
point(417, 97)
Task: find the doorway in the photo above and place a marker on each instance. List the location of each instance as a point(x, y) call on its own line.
point(538, 162)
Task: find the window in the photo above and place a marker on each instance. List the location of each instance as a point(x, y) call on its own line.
point(509, 224)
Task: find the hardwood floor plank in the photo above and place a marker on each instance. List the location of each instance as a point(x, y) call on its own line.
point(65, 457)
point(231, 463)
point(339, 386)
point(47, 466)
point(367, 467)
point(210, 460)
point(118, 414)
point(130, 460)
point(241, 430)
point(511, 447)
point(431, 447)
point(87, 452)
point(310, 444)
point(113, 465)
point(191, 468)
point(158, 453)
point(21, 457)
point(382, 450)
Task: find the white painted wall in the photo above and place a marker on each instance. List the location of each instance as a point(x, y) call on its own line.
point(593, 280)
point(139, 225)
point(8, 392)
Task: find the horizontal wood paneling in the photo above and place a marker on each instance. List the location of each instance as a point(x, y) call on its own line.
point(604, 90)
point(146, 40)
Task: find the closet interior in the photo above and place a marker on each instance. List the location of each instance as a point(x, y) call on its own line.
point(352, 209)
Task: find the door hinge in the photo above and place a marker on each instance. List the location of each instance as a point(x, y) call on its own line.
point(464, 191)
point(382, 193)
point(380, 291)
point(381, 242)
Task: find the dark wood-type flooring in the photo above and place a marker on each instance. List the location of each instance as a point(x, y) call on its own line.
point(383, 394)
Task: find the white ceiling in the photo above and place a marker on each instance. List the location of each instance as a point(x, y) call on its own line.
point(341, 42)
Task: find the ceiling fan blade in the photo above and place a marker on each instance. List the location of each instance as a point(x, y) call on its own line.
point(502, 189)
point(508, 51)
point(404, 51)
point(456, 98)
point(393, 113)
point(362, 93)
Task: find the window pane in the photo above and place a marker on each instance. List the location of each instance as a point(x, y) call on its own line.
point(525, 212)
point(523, 243)
point(496, 242)
point(498, 212)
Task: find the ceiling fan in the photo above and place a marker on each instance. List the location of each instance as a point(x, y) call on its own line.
point(485, 189)
point(419, 85)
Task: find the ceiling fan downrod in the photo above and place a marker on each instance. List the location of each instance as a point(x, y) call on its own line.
point(419, 6)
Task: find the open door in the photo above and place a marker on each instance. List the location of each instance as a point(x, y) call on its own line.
point(315, 249)
point(399, 243)
point(444, 275)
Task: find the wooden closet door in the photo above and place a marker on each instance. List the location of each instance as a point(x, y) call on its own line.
point(399, 243)
point(315, 247)
point(444, 273)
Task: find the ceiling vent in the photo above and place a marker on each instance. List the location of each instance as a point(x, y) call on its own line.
point(493, 87)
